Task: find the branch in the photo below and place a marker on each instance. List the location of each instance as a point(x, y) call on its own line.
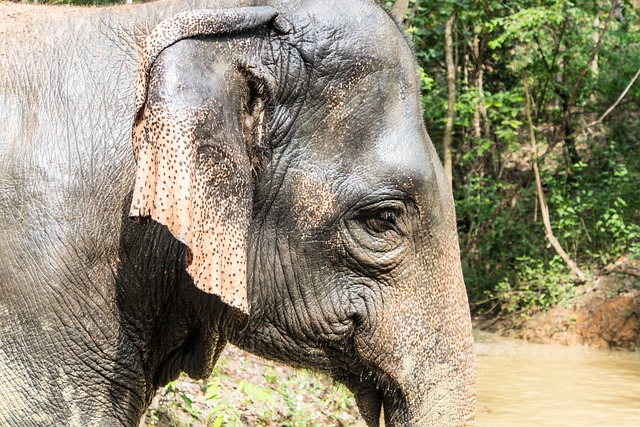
point(412, 13)
point(544, 57)
point(613, 106)
point(544, 208)
point(451, 88)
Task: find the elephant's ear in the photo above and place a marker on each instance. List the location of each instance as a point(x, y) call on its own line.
point(194, 172)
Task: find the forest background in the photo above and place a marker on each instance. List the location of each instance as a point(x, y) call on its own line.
point(533, 106)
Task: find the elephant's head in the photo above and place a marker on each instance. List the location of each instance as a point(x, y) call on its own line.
point(285, 147)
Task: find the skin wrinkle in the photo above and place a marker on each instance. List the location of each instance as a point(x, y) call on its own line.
point(315, 297)
point(286, 300)
point(297, 269)
point(294, 297)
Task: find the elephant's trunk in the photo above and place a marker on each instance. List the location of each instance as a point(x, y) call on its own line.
point(429, 384)
point(438, 391)
point(424, 372)
point(437, 375)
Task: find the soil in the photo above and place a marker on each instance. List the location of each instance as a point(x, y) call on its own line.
point(604, 314)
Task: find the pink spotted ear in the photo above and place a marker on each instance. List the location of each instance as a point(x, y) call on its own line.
point(192, 176)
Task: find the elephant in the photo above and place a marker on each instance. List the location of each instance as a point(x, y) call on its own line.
point(179, 175)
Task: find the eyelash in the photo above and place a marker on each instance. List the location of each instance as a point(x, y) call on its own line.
point(388, 216)
point(383, 220)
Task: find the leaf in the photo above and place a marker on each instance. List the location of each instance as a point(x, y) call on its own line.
point(218, 421)
point(255, 393)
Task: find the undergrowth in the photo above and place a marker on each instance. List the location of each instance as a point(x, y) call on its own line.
point(248, 391)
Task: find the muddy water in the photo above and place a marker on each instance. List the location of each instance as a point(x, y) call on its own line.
point(522, 384)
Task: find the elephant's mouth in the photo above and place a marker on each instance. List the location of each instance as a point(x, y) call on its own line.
point(373, 391)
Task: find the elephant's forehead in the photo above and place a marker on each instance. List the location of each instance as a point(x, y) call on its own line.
point(361, 124)
point(357, 30)
point(378, 123)
point(362, 79)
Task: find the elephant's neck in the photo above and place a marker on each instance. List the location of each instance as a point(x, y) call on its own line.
point(173, 326)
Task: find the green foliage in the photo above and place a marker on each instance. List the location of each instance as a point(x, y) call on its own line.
point(591, 180)
point(184, 401)
point(536, 285)
point(239, 393)
point(592, 215)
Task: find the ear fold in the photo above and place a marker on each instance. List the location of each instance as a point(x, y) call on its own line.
point(194, 172)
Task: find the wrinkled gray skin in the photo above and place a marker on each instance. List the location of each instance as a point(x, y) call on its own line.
point(353, 267)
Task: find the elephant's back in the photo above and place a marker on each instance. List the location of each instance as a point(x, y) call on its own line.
point(66, 94)
point(66, 91)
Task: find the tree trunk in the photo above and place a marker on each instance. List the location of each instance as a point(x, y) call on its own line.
point(481, 125)
point(399, 10)
point(475, 52)
point(451, 86)
point(596, 41)
point(482, 106)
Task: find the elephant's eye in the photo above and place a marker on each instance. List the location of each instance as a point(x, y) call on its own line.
point(383, 220)
point(376, 234)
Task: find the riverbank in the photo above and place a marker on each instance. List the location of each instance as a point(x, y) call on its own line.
point(604, 314)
